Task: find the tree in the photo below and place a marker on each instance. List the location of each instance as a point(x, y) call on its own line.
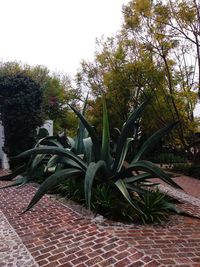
point(21, 113)
point(57, 91)
point(184, 22)
point(146, 59)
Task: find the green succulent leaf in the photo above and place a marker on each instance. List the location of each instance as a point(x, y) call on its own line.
point(51, 142)
point(8, 177)
point(148, 166)
point(138, 178)
point(92, 133)
point(88, 155)
point(124, 153)
point(36, 161)
point(52, 181)
point(68, 163)
point(173, 208)
point(17, 182)
point(136, 189)
point(54, 137)
point(71, 142)
point(105, 150)
point(123, 189)
point(53, 150)
point(81, 133)
point(91, 172)
point(128, 127)
point(151, 141)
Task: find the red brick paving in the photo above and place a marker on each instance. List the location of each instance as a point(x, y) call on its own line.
point(57, 236)
point(190, 185)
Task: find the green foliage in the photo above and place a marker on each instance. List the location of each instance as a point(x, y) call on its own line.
point(56, 90)
point(183, 168)
point(148, 57)
point(166, 158)
point(110, 203)
point(194, 171)
point(189, 169)
point(72, 189)
point(42, 133)
point(21, 114)
point(155, 205)
point(103, 174)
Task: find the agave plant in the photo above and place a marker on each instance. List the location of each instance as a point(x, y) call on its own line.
point(36, 166)
point(97, 166)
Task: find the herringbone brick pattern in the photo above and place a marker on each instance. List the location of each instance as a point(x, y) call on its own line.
point(56, 235)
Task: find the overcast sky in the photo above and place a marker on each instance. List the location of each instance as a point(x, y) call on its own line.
point(56, 33)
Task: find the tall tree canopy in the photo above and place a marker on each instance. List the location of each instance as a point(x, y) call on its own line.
point(155, 55)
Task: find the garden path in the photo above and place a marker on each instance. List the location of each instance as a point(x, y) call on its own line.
point(54, 235)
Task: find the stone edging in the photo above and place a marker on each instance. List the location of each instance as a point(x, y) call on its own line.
point(12, 250)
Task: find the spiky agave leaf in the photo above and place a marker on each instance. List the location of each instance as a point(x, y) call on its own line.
point(152, 140)
point(91, 172)
point(53, 150)
point(17, 182)
point(8, 177)
point(52, 181)
point(128, 127)
point(123, 189)
point(151, 168)
point(37, 160)
point(124, 153)
point(71, 142)
point(136, 188)
point(68, 163)
point(47, 138)
point(81, 133)
point(52, 142)
point(173, 208)
point(88, 155)
point(105, 149)
point(92, 133)
point(137, 178)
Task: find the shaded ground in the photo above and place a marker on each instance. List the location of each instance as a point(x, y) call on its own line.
point(56, 235)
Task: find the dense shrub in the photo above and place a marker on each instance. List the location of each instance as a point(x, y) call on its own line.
point(194, 171)
point(20, 107)
point(166, 158)
point(187, 169)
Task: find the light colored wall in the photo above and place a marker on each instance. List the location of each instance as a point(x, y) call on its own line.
point(48, 125)
point(3, 157)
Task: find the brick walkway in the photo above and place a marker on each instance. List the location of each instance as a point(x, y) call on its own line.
point(56, 235)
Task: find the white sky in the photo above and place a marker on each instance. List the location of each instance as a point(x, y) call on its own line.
point(56, 33)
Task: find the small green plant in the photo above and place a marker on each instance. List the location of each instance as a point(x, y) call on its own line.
point(72, 189)
point(155, 205)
